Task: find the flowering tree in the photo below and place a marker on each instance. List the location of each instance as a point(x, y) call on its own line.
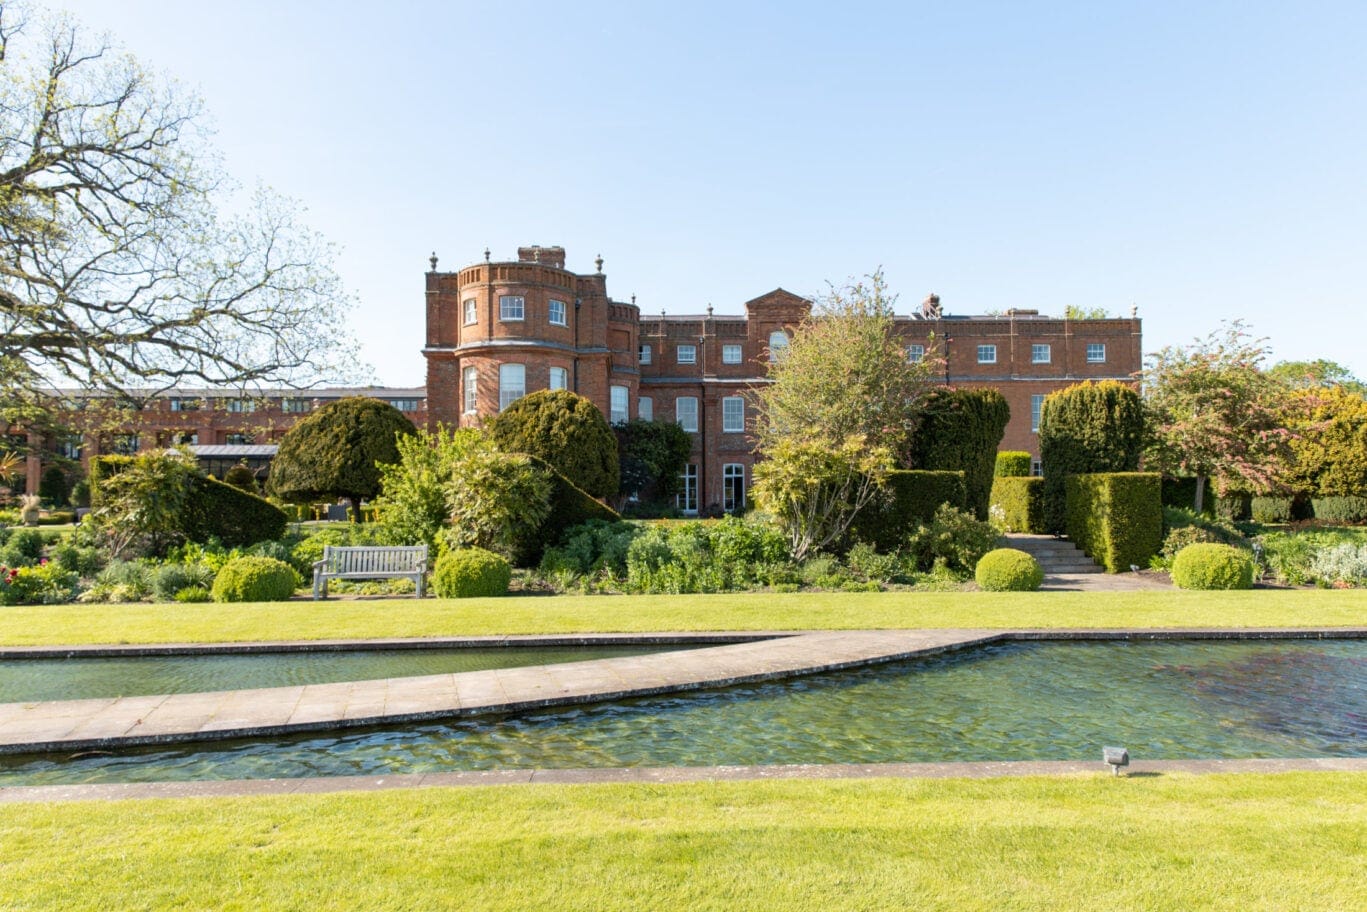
point(1215, 415)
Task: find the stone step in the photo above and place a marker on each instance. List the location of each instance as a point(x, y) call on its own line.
point(1054, 555)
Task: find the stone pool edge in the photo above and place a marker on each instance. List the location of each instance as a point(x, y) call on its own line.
point(248, 788)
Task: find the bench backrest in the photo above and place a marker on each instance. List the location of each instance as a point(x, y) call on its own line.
point(374, 558)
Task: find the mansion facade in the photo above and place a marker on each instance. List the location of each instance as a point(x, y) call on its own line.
point(497, 330)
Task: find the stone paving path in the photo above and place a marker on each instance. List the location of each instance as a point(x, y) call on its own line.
point(100, 723)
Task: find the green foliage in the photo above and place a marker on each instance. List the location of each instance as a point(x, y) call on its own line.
point(193, 595)
point(413, 503)
point(1018, 503)
point(1012, 464)
point(730, 553)
point(86, 561)
point(1008, 570)
point(44, 584)
point(909, 499)
point(120, 581)
point(595, 551)
point(567, 507)
point(1087, 428)
point(953, 541)
point(1116, 518)
point(241, 477)
point(1321, 373)
point(652, 456)
point(80, 493)
point(337, 450)
point(1344, 564)
point(22, 548)
point(567, 432)
point(255, 579)
point(471, 573)
point(1267, 509)
point(1208, 565)
point(139, 501)
point(813, 489)
point(53, 487)
point(497, 501)
point(1214, 414)
point(1074, 312)
point(1329, 451)
point(1291, 556)
point(845, 375)
point(960, 431)
point(170, 579)
point(1349, 510)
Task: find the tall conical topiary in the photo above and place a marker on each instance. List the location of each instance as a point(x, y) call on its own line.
point(960, 430)
point(1090, 427)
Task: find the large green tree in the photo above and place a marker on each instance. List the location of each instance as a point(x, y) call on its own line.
point(844, 373)
point(126, 258)
point(652, 456)
point(566, 431)
point(1215, 415)
point(1320, 373)
point(337, 452)
point(1329, 449)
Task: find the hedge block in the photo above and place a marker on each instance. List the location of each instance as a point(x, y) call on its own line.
point(1013, 464)
point(1116, 518)
point(1020, 502)
point(913, 497)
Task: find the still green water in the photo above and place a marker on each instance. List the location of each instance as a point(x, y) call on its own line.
point(31, 680)
point(1020, 701)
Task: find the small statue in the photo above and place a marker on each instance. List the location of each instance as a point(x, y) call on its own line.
point(930, 307)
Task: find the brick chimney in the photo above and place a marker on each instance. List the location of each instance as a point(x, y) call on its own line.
point(546, 256)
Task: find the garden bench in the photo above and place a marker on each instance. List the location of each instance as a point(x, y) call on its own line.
point(370, 562)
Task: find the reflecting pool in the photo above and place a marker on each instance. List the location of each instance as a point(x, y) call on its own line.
point(31, 680)
point(1016, 701)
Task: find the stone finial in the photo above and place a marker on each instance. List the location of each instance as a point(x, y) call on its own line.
point(633, 300)
point(1134, 311)
point(599, 263)
point(433, 260)
point(709, 308)
point(486, 254)
point(930, 307)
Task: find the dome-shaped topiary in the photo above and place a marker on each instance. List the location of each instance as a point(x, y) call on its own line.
point(255, 579)
point(471, 573)
point(1208, 565)
point(1008, 570)
point(566, 431)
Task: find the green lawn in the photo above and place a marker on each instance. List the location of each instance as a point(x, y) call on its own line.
point(1275, 842)
point(305, 620)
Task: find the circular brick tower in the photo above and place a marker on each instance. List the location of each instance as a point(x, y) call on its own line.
point(499, 330)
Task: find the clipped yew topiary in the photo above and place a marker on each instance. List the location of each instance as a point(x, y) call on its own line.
point(1008, 570)
point(471, 573)
point(255, 579)
point(1116, 518)
point(1087, 428)
point(913, 496)
point(1208, 565)
point(1018, 503)
point(1342, 509)
point(960, 430)
point(241, 477)
point(1012, 464)
point(334, 452)
point(565, 430)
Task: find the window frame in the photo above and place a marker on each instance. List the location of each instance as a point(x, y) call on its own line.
point(1096, 345)
point(643, 354)
point(471, 311)
point(645, 408)
point(616, 415)
point(775, 351)
point(469, 381)
point(503, 398)
point(505, 306)
point(550, 313)
point(732, 353)
point(728, 425)
point(686, 501)
point(1036, 410)
point(693, 412)
point(1041, 348)
point(987, 348)
point(692, 351)
point(731, 499)
point(563, 373)
point(916, 353)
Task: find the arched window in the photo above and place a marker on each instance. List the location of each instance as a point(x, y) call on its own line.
point(778, 344)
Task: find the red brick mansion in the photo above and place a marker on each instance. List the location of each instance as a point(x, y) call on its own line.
point(498, 330)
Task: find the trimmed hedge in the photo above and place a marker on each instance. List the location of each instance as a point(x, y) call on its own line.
point(212, 509)
point(913, 497)
point(1340, 509)
point(471, 573)
point(960, 431)
point(1021, 501)
point(566, 430)
point(1279, 509)
point(1012, 464)
point(1208, 565)
point(1116, 518)
point(255, 579)
point(1008, 570)
point(1086, 428)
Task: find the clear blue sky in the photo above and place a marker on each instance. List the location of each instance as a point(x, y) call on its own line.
point(1203, 161)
